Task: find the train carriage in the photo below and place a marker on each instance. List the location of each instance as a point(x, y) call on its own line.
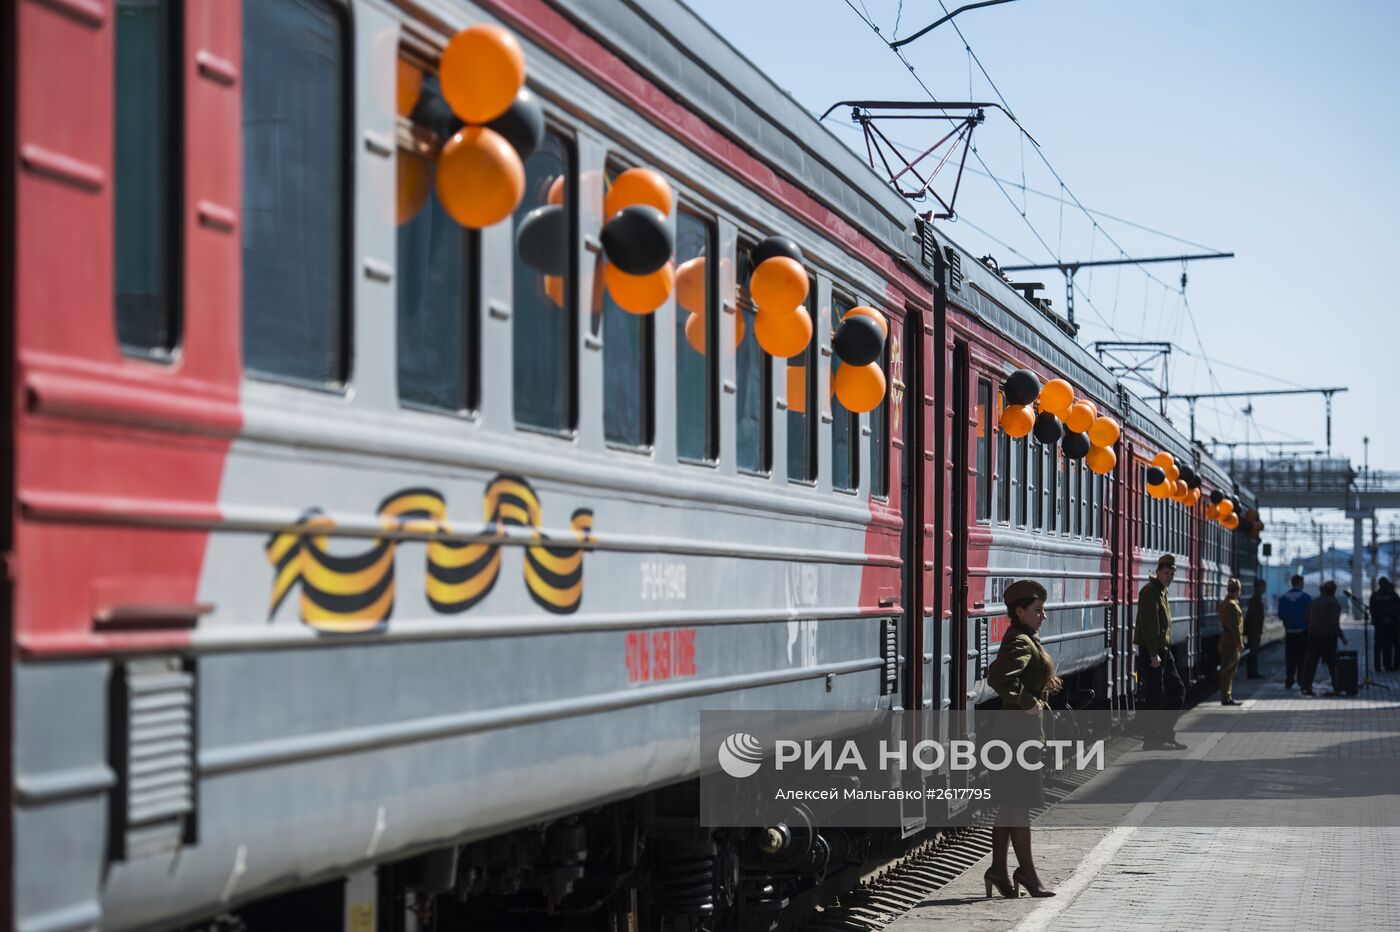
point(342, 542)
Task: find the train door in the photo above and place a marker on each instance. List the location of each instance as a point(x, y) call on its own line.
point(953, 638)
point(921, 676)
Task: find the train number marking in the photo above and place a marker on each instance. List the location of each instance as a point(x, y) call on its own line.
point(663, 582)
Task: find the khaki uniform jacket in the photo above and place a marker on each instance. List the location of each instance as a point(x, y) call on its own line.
point(1154, 618)
point(1019, 674)
point(1231, 627)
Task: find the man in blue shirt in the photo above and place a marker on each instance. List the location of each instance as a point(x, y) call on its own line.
point(1293, 611)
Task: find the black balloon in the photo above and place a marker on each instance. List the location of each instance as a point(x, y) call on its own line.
point(1048, 428)
point(773, 246)
point(638, 240)
point(432, 112)
point(1217, 497)
point(858, 341)
point(1156, 475)
point(522, 124)
point(542, 239)
point(1194, 482)
point(1021, 387)
point(1076, 446)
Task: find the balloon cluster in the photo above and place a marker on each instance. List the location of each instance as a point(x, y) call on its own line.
point(859, 342)
point(481, 169)
point(778, 286)
point(1166, 479)
point(637, 241)
point(1053, 415)
point(1222, 509)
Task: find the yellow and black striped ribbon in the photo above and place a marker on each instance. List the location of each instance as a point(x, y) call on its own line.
point(350, 594)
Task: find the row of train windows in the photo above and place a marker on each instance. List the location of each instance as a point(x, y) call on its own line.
point(1033, 486)
point(1165, 525)
point(296, 248)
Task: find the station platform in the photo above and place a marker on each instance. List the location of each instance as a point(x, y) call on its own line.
point(1160, 877)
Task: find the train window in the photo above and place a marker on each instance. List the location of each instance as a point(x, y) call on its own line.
point(984, 450)
point(436, 269)
point(845, 425)
point(1047, 453)
point(1003, 478)
point(1082, 520)
point(697, 435)
point(145, 182)
point(880, 434)
point(544, 360)
point(801, 400)
point(1066, 496)
point(1037, 492)
point(295, 168)
point(753, 397)
point(1023, 446)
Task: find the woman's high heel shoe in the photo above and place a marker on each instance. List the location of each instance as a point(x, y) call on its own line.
point(1000, 881)
point(1020, 880)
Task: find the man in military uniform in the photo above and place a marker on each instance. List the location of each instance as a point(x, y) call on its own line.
point(1163, 690)
point(1231, 640)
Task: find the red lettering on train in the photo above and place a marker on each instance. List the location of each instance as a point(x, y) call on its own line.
point(660, 655)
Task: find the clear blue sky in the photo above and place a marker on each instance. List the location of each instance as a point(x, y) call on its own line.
point(1266, 128)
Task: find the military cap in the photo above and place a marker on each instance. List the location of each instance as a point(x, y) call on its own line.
point(1166, 560)
point(1023, 589)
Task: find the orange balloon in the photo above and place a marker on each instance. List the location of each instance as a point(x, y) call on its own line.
point(1212, 511)
point(482, 69)
point(1080, 417)
point(638, 186)
point(695, 333)
point(796, 389)
point(1172, 471)
point(860, 388)
point(554, 289)
point(1181, 488)
point(783, 335)
point(556, 191)
point(1056, 397)
point(640, 294)
point(691, 282)
point(778, 284)
point(410, 87)
point(1231, 521)
point(873, 315)
point(1104, 432)
point(1160, 490)
point(1092, 407)
point(1101, 460)
point(1193, 497)
point(480, 179)
point(1017, 420)
point(1164, 459)
point(1226, 507)
point(415, 183)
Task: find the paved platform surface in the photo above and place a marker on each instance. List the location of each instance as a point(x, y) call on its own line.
point(1148, 877)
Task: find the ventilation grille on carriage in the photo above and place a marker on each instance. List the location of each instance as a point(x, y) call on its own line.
point(955, 276)
point(890, 652)
point(153, 756)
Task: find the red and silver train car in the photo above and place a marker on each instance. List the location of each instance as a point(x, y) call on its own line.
point(353, 571)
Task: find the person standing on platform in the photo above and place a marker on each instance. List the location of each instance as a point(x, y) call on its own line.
point(1324, 627)
point(1293, 610)
point(1385, 616)
point(1162, 686)
point(1023, 675)
point(1231, 639)
point(1254, 629)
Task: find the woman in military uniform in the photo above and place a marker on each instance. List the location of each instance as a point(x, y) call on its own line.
point(1023, 675)
point(1231, 640)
